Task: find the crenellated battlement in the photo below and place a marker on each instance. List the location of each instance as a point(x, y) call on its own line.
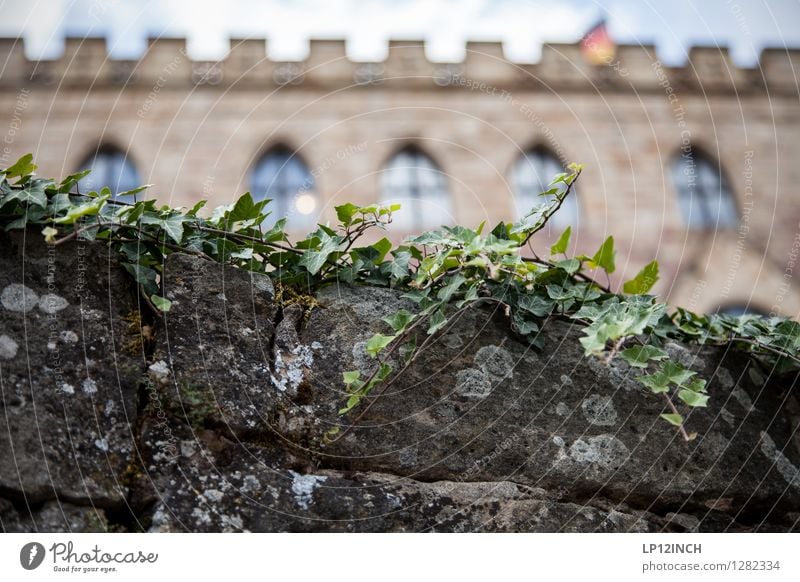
point(165, 63)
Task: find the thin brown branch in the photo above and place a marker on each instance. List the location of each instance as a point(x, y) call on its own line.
point(579, 275)
point(759, 345)
point(396, 344)
point(243, 238)
point(674, 410)
point(549, 215)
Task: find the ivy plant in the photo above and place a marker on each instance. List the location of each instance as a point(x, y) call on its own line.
point(443, 272)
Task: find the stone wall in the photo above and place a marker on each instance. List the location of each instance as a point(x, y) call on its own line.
point(211, 417)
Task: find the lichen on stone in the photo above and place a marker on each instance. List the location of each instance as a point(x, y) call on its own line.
point(290, 368)
point(472, 383)
point(303, 487)
point(51, 303)
point(89, 386)
point(19, 298)
point(604, 451)
point(159, 372)
point(8, 347)
point(495, 362)
point(599, 410)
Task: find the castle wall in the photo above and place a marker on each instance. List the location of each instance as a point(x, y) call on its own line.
point(195, 130)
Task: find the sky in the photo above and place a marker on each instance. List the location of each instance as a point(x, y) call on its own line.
point(745, 26)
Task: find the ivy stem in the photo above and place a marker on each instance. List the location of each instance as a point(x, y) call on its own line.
point(75, 233)
point(674, 410)
point(244, 238)
point(614, 350)
point(388, 384)
point(369, 379)
point(152, 307)
point(578, 275)
point(775, 351)
point(553, 210)
point(351, 237)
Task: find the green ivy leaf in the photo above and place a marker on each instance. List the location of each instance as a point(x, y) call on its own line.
point(161, 303)
point(79, 211)
point(643, 281)
point(696, 385)
point(563, 242)
point(604, 257)
point(454, 283)
point(351, 377)
point(345, 213)
point(277, 232)
point(657, 383)
point(437, 322)
point(559, 293)
point(196, 208)
point(408, 349)
point(639, 356)
point(50, 234)
point(522, 325)
point(377, 343)
point(172, 224)
point(571, 266)
point(692, 398)
point(352, 401)
point(673, 419)
point(416, 295)
point(68, 182)
point(669, 373)
point(32, 194)
point(398, 266)
point(399, 320)
point(135, 191)
point(614, 320)
point(314, 259)
point(59, 203)
point(246, 253)
point(245, 208)
point(144, 276)
point(383, 246)
point(676, 373)
point(469, 296)
point(21, 168)
point(535, 305)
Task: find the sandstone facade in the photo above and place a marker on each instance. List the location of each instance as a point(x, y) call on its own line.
point(196, 129)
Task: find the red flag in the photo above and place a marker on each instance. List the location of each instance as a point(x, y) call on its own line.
point(597, 46)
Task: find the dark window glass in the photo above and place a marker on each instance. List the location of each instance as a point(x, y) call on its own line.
point(110, 167)
point(283, 177)
point(740, 309)
point(704, 197)
point(411, 178)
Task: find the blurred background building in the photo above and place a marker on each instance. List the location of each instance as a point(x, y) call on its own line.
point(697, 165)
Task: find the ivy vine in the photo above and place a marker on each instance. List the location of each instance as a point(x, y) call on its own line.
point(444, 272)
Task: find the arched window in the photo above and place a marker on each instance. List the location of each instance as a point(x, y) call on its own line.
point(110, 167)
point(704, 197)
point(740, 309)
point(531, 175)
point(283, 177)
point(411, 178)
